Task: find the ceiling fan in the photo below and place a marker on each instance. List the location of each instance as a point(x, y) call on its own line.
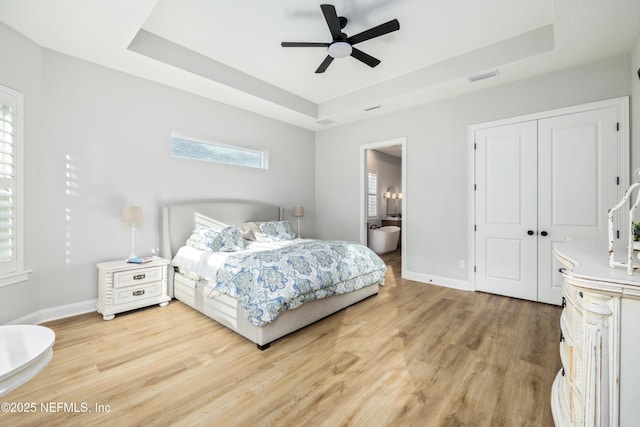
point(342, 46)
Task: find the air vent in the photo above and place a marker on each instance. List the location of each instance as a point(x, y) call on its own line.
point(483, 75)
point(325, 122)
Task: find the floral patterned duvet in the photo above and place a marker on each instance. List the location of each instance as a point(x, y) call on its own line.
point(268, 283)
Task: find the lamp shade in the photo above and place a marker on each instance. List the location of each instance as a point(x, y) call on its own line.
point(132, 215)
point(298, 211)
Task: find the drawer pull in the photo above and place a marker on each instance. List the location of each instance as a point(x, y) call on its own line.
point(564, 302)
point(563, 372)
point(139, 276)
point(138, 293)
point(581, 294)
point(562, 270)
point(561, 336)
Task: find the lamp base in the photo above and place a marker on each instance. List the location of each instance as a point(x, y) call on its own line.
point(132, 255)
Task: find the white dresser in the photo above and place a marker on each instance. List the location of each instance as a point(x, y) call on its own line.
point(599, 383)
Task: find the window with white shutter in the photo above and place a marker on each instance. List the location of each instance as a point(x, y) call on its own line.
point(372, 194)
point(11, 263)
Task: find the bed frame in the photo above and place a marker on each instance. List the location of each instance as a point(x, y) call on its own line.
point(177, 223)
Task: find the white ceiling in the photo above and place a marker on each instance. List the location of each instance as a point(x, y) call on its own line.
point(229, 50)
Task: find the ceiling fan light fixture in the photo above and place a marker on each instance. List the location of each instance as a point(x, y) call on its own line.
point(341, 44)
point(340, 49)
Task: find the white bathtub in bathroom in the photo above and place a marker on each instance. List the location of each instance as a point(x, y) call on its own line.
point(383, 239)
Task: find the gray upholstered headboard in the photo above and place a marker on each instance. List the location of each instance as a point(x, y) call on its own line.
point(178, 221)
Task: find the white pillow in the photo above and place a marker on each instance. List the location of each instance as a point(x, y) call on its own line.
point(201, 238)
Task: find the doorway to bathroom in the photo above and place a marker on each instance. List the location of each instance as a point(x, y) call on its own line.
point(383, 198)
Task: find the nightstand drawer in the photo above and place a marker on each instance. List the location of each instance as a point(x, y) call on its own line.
point(137, 277)
point(134, 293)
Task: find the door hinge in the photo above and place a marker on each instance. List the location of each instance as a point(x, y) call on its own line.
point(617, 180)
point(617, 234)
point(475, 146)
point(475, 227)
point(475, 269)
point(618, 126)
point(475, 187)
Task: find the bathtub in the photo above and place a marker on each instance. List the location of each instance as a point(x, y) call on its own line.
point(383, 239)
point(24, 351)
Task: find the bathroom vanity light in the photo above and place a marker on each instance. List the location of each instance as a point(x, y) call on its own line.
point(391, 194)
point(398, 197)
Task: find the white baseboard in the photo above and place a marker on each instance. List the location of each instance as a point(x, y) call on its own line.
point(55, 313)
point(447, 282)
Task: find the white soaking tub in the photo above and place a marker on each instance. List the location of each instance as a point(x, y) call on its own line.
point(383, 239)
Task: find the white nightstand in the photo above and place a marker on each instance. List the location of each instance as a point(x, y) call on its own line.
point(124, 286)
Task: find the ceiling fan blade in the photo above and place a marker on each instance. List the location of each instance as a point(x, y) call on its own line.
point(333, 22)
point(364, 57)
point(325, 64)
point(380, 30)
point(304, 44)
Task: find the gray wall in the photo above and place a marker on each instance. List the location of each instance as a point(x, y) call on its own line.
point(103, 143)
point(437, 193)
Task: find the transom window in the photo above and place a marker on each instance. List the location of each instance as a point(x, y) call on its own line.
point(190, 147)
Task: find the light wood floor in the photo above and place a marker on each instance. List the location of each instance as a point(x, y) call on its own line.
point(415, 355)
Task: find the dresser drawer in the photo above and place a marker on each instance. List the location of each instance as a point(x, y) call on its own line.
point(137, 277)
point(138, 292)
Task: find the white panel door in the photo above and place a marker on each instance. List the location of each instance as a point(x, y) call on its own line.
point(577, 184)
point(506, 210)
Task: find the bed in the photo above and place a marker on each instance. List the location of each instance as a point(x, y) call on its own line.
point(210, 293)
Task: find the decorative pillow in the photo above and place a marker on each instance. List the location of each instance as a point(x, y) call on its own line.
point(201, 238)
point(228, 239)
point(274, 231)
point(247, 229)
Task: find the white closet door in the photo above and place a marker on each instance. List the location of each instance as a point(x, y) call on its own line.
point(506, 210)
point(577, 173)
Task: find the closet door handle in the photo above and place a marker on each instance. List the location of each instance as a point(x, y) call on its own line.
point(530, 232)
point(543, 233)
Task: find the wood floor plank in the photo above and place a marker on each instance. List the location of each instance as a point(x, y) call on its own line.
point(416, 354)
